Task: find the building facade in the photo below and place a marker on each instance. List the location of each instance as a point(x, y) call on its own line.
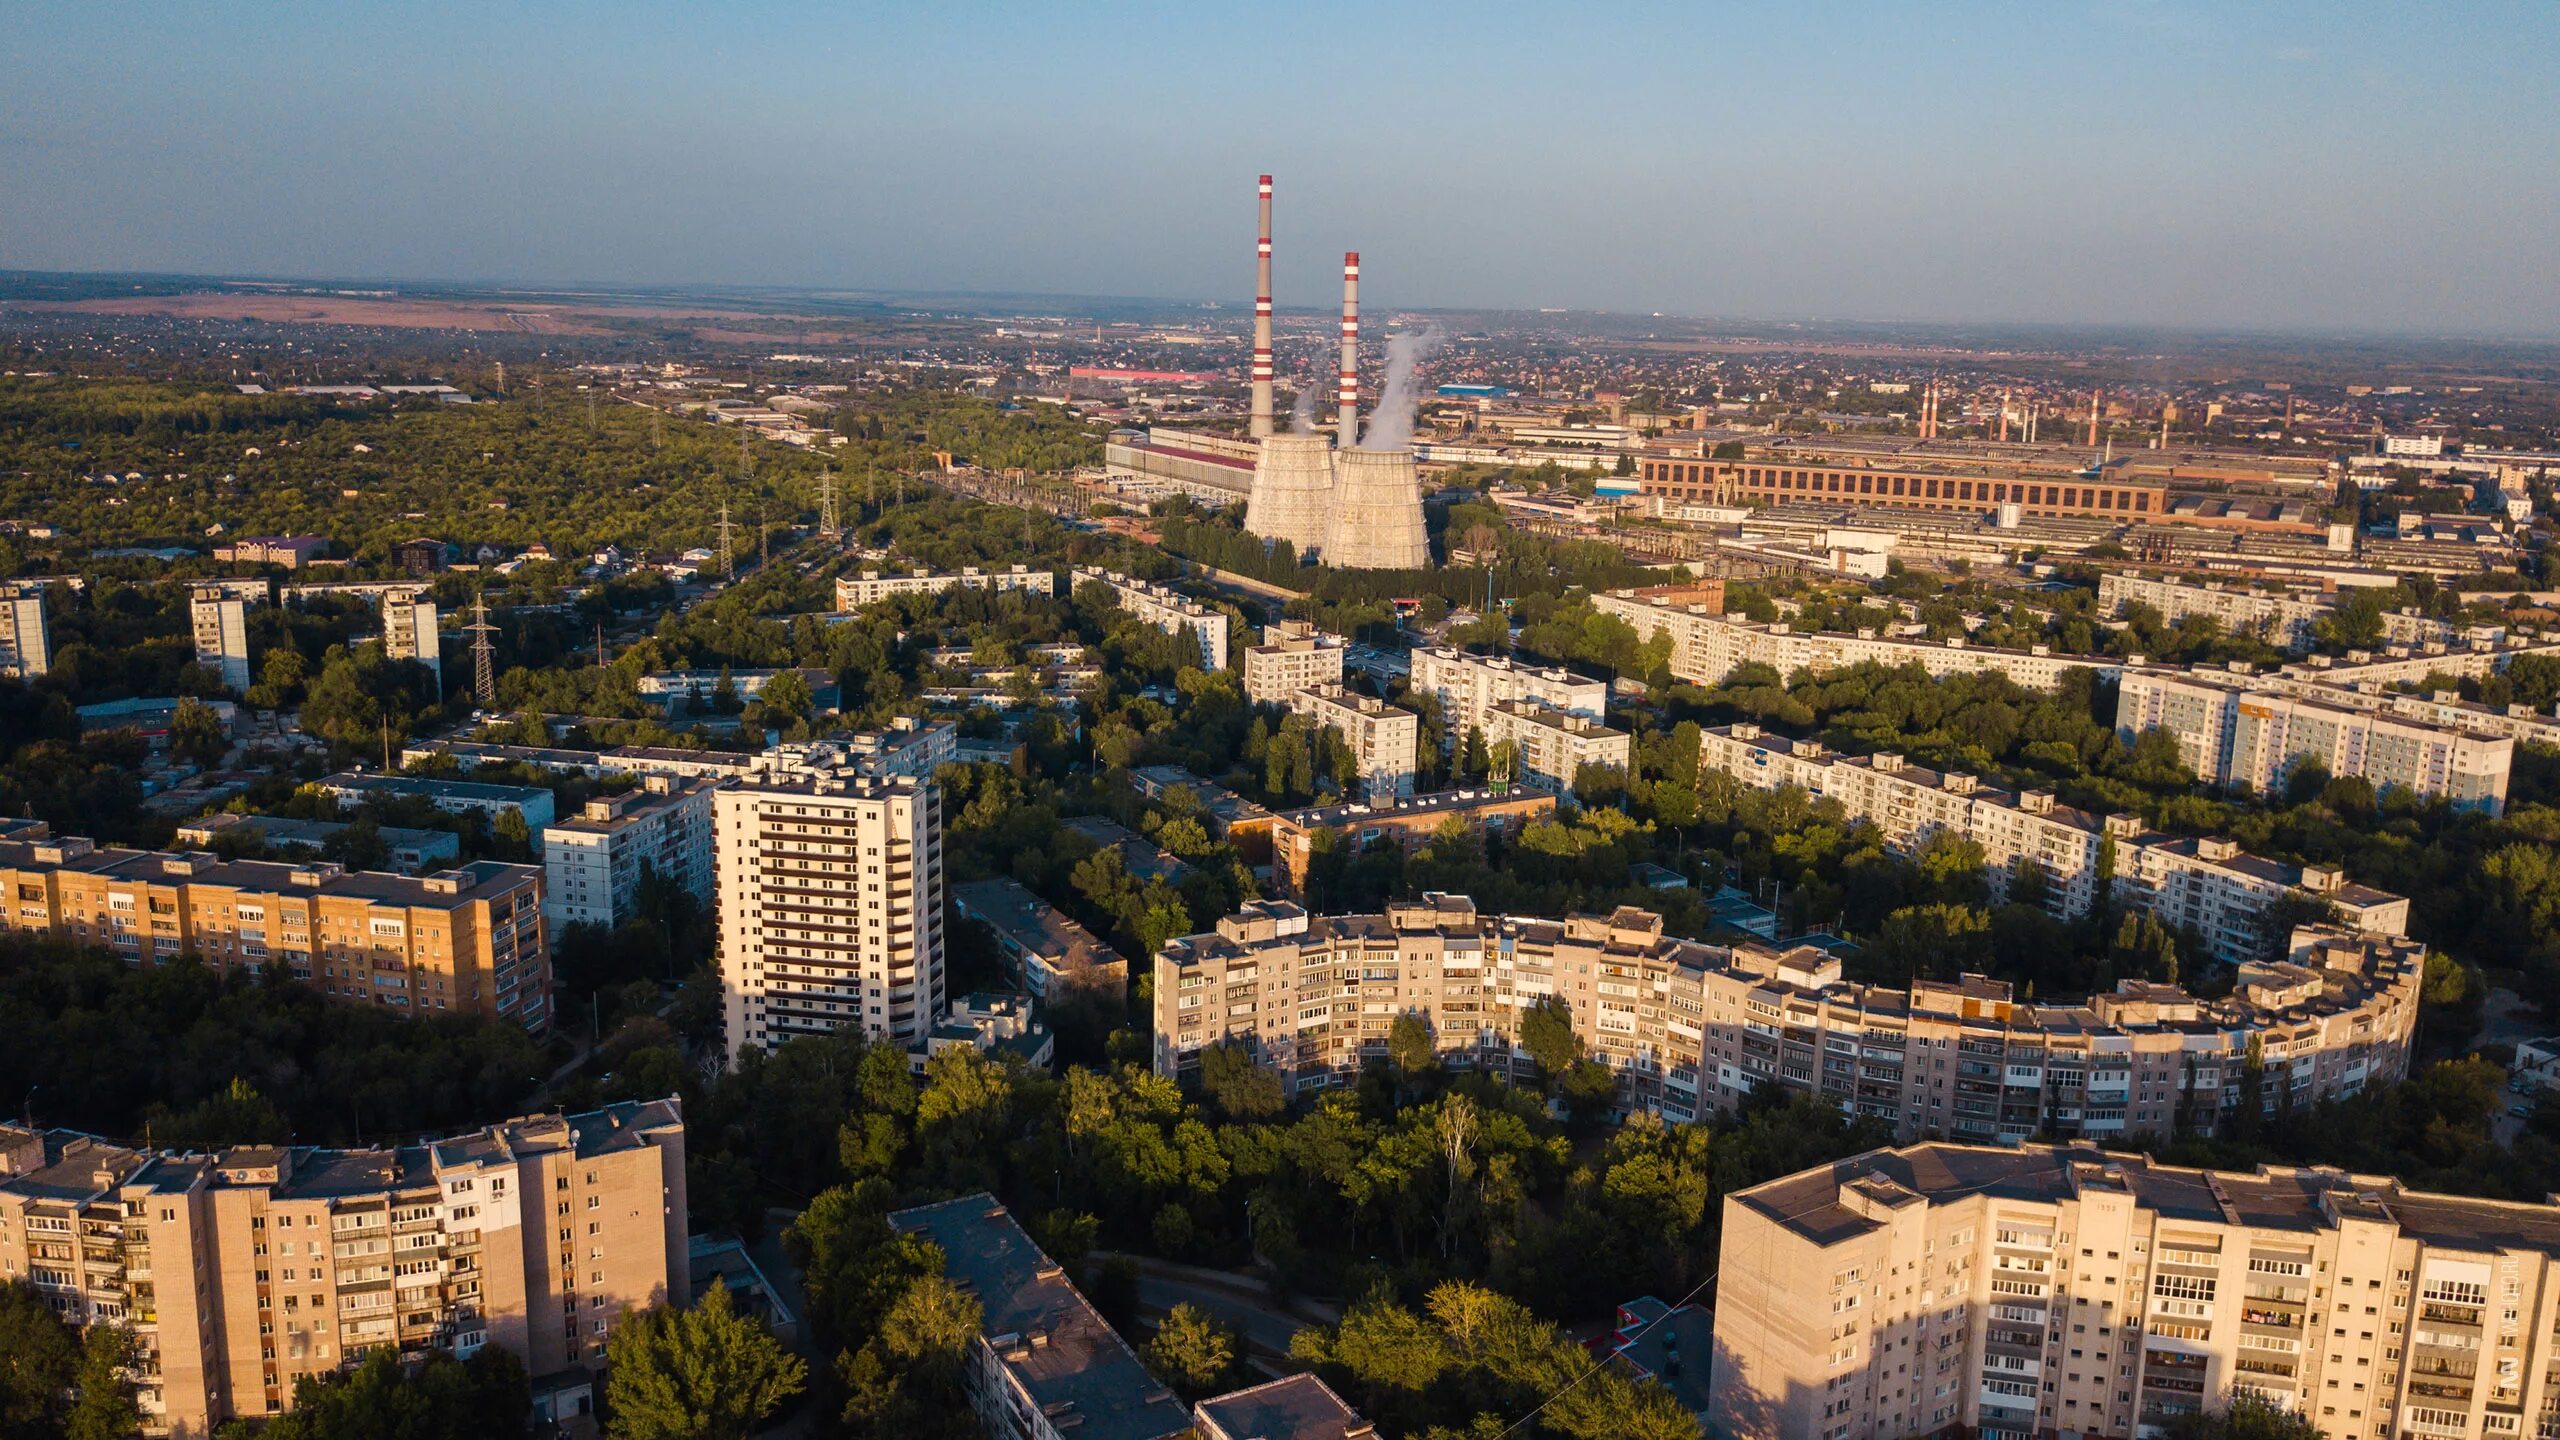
point(535, 804)
point(1693, 1029)
point(1778, 482)
point(1468, 686)
point(2067, 1291)
point(1408, 825)
point(592, 863)
point(1292, 656)
point(2235, 734)
point(26, 646)
point(1707, 647)
point(468, 940)
point(2289, 619)
point(1550, 747)
point(221, 626)
point(1384, 739)
point(243, 1271)
point(1167, 610)
point(830, 900)
point(2208, 886)
point(409, 631)
point(855, 591)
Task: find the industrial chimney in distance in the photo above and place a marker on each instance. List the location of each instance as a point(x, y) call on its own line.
point(1346, 430)
point(1262, 321)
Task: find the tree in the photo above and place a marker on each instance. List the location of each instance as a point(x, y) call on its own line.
point(1546, 1032)
point(706, 1372)
point(510, 836)
point(102, 1405)
point(196, 735)
point(40, 1361)
point(1409, 1046)
point(2247, 1417)
point(1240, 1088)
point(440, 1399)
point(1192, 1352)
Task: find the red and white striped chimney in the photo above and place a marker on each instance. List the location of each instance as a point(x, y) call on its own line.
point(1262, 321)
point(1347, 425)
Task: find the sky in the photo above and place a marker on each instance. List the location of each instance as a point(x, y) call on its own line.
point(2328, 166)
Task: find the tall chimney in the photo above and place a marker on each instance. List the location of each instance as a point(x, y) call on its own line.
point(2004, 417)
point(1347, 426)
point(1262, 321)
point(2093, 416)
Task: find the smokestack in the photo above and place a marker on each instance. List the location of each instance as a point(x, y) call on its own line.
point(1262, 321)
point(2093, 415)
point(2004, 417)
point(1347, 426)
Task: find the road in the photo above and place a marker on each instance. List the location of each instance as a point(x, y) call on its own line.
point(1239, 1300)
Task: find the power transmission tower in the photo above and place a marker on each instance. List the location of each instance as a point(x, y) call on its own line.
point(600, 664)
point(484, 664)
point(827, 525)
point(728, 561)
point(746, 457)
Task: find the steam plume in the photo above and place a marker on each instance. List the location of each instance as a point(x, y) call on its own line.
point(1391, 420)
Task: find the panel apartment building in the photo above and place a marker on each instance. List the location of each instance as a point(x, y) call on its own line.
point(26, 646)
point(855, 591)
point(220, 622)
point(242, 1271)
point(2288, 619)
point(409, 631)
point(2208, 886)
point(1550, 747)
point(1468, 686)
point(1167, 610)
point(2063, 1290)
point(2230, 732)
point(593, 862)
point(830, 901)
point(1408, 825)
point(1384, 739)
point(1692, 1028)
point(469, 939)
point(1292, 656)
point(1707, 647)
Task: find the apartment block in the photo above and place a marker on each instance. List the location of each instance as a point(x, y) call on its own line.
point(1549, 747)
point(593, 862)
point(351, 788)
point(243, 1271)
point(409, 631)
point(854, 592)
point(1693, 1029)
point(1167, 610)
point(1044, 1364)
point(2207, 885)
point(2231, 733)
point(1292, 656)
point(907, 746)
point(1385, 739)
point(469, 939)
point(2063, 1290)
point(2287, 619)
point(1045, 952)
point(1468, 686)
point(221, 625)
point(26, 646)
point(1706, 647)
point(1407, 824)
point(830, 900)
point(1300, 1407)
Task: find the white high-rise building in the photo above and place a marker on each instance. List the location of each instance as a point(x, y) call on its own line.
point(221, 623)
point(1292, 656)
point(409, 631)
point(26, 649)
point(1167, 610)
point(2230, 732)
point(830, 897)
point(1383, 738)
point(1550, 747)
point(1468, 686)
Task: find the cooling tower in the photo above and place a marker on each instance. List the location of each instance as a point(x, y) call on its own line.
point(1377, 513)
point(1292, 491)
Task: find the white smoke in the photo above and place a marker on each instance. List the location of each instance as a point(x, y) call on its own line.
point(1390, 424)
point(1302, 412)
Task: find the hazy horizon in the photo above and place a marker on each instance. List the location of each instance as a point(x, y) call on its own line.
point(2294, 169)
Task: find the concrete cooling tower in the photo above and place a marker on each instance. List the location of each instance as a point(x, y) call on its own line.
point(1292, 491)
point(1377, 513)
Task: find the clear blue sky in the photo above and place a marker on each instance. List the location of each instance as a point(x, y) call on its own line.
point(2329, 164)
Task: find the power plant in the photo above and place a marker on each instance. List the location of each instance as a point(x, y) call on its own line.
point(1355, 509)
